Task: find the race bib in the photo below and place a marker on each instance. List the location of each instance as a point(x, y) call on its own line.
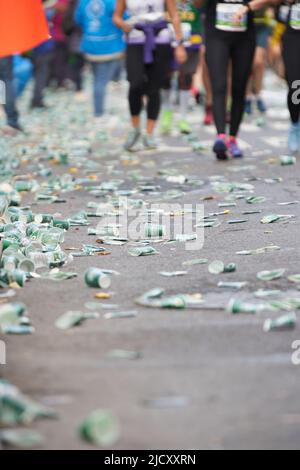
point(186, 31)
point(295, 17)
point(283, 13)
point(225, 15)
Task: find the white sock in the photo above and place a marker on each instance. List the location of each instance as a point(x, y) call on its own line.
point(184, 97)
point(166, 100)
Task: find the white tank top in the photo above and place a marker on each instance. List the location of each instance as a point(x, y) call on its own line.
point(140, 8)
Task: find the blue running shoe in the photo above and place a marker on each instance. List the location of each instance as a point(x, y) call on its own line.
point(294, 137)
point(234, 149)
point(261, 105)
point(220, 148)
point(248, 107)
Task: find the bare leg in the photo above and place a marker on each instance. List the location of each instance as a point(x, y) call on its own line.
point(136, 122)
point(150, 126)
point(259, 70)
point(206, 80)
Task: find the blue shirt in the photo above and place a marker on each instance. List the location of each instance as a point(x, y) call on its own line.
point(100, 36)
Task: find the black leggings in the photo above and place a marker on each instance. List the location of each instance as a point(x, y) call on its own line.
point(76, 62)
point(221, 49)
point(146, 80)
point(186, 71)
point(291, 57)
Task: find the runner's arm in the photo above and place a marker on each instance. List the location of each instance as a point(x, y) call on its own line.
point(180, 51)
point(254, 5)
point(119, 17)
point(199, 3)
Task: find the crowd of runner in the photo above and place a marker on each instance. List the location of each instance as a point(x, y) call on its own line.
point(174, 52)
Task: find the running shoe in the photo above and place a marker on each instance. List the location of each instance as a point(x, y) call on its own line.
point(261, 105)
point(248, 107)
point(166, 122)
point(132, 139)
point(12, 130)
point(149, 142)
point(197, 95)
point(208, 117)
point(100, 124)
point(220, 148)
point(184, 127)
point(40, 105)
point(16, 127)
point(294, 138)
point(234, 149)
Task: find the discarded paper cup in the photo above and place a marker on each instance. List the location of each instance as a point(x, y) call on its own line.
point(287, 160)
point(33, 231)
point(17, 329)
point(52, 238)
point(216, 267)
point(94, 277)
point(27, 216)
point(173, 302)
point(10, 262)
point(18, 276)
point(101, 428)
point(154, 230)
point(33, 247)
point(143, 251)
point(22, 186)
point(63, 224)
point(286, 322)
point(27, 265)
point(43, 218)
point(4, 277)
point(63, 158)
point(12, 309)
point(7, 243)
point(230, 268)
point(236, 306)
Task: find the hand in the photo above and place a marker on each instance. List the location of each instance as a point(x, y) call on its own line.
point(127, 28)
point(180, 54)
point(240, 14)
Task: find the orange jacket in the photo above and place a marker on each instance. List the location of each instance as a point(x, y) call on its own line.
point(22, 26)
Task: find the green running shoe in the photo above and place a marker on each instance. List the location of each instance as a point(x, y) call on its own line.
point(166, 122)
point(184, 127)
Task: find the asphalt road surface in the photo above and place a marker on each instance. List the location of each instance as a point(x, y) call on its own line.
point(238, 386)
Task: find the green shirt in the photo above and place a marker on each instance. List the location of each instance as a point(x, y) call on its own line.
point(262, 17)
point(191, 15)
